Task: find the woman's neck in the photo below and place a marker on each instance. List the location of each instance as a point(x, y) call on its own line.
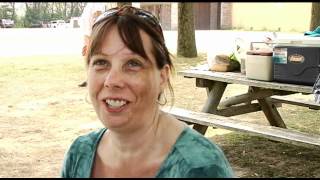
point(137, 142)
point(140, 154)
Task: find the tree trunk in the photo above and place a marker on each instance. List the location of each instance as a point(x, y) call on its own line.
point(71, 10)
point(119, 4)
point(186, 31)
point(219, 15)
point(81, 6)
point(315, 16)
point(13, 16)
point(65, 11)
point(45, 12)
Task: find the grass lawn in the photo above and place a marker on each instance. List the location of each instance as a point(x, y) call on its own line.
point(43, 110)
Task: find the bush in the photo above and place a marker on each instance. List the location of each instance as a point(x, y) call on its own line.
point(19, 22)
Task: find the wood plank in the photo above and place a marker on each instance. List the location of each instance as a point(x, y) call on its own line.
point(271, 113)
point(288, 100)
point(214, 97)
point(238, 78)
point(215, 94)
point(270, 110)
point(274, 133)
point(239, 109)
point(250, 96)
point(204, 83)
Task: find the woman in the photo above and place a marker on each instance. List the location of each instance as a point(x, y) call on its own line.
point(128, 70)
point(90, 12)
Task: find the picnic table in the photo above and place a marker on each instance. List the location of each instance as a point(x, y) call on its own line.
point(261, 96)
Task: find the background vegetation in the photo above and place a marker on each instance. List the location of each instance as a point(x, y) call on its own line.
point(41, 12)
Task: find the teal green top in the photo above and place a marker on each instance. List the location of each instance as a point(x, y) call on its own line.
point(192, 155)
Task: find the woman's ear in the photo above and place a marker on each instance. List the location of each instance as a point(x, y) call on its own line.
point(164, 76)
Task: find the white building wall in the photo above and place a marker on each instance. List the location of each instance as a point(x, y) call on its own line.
point(174, 16)
point(135, 4)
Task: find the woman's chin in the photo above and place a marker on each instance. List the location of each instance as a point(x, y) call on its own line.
point(112, 122)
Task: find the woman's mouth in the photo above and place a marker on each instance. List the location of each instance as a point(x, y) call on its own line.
point(115, 103)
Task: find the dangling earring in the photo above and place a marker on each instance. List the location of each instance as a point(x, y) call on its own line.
point(162, 95)
point(86, 99)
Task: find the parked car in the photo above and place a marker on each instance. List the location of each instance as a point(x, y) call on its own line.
point(6, 23)
point(39, 24)
point(57, 24)
point(36, 25)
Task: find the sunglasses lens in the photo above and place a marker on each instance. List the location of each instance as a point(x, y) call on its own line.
point(106, 15)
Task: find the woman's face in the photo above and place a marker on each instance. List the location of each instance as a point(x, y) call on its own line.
point(124, 86)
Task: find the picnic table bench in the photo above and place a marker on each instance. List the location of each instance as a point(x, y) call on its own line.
point(268, 96)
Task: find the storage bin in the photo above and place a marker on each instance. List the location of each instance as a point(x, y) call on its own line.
point(296, 60)
point(259, 65)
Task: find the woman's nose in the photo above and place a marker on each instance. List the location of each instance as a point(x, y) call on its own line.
point(114, 78)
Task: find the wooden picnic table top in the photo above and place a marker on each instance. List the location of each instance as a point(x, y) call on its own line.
point(203, 72)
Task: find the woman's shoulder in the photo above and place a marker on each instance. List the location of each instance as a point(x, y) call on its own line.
point(78, 158)
point(194, 155)
point(193, 141)
point(199, 151)
point(87, 142)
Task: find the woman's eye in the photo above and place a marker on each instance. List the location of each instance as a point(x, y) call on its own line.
point(134, 64)
point(100, 63)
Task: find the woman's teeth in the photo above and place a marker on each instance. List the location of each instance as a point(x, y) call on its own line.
point(115, 103)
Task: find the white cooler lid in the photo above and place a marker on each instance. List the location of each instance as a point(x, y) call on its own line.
point(298, 41)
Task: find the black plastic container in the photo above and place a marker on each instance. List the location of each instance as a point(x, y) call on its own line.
point(296, 64)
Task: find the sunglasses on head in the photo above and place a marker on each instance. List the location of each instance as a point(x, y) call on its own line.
point(133, 11)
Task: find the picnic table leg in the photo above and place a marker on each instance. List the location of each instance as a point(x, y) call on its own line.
point(270, 111)
point(215, 93)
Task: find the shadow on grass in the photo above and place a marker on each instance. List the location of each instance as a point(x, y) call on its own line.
point(267, 158)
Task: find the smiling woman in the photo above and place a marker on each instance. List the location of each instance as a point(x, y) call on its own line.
point(129, 68)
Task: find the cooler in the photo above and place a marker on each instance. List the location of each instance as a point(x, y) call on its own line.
point(296, 61)
point(259, 65)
